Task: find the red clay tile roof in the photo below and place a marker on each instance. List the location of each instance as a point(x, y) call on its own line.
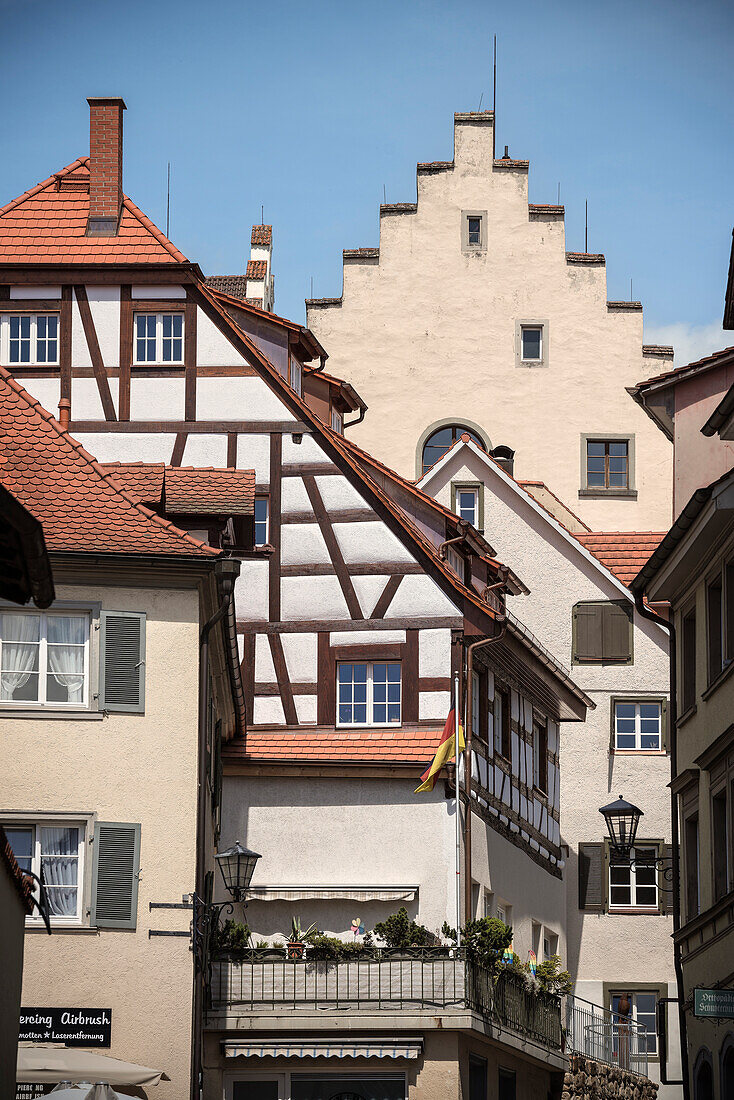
point(234, 285)
point(262, 234)
point(80, 507)
point(623, 552)
point(187, 490)
point(48, 224)
point(700, 365)
point(257, 269)
point(393, 746)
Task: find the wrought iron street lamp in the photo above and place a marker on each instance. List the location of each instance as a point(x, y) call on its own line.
point(237, 865)
point(622, 819)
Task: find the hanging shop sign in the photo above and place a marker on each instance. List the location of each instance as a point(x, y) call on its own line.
point(714, 1002)
point(76, 1027)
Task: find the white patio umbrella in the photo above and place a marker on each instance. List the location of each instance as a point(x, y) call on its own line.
point(98, 1091)
point(51, 1064)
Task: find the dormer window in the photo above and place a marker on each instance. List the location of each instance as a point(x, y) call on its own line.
point(159, 337)
point(296, 376)
point(336, 421)
point(29, 338)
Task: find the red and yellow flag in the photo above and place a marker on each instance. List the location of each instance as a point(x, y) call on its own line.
point(446, 751)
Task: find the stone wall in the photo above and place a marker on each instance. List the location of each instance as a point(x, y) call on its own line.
point(590, 1080)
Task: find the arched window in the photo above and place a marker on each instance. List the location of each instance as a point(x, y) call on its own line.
point(727, 1066)
point(703, 1076)
point(438, 442)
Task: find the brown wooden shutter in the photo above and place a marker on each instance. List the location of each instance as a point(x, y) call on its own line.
point(591, 894)
point(587, 631)
point(666, 884)
point(616, 633)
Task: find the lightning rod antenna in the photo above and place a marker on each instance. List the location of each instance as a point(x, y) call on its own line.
point(168, 199)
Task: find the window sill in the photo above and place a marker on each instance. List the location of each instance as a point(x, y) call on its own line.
point(685, 716)
point(39, 926)
point(530, 363)
point(634, 911)
point(638, 752)
point(42, 712)
point(615, 494)
point(718, 681)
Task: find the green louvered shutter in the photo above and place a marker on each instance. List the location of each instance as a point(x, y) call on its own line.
point(115, 874)
point(122, 661)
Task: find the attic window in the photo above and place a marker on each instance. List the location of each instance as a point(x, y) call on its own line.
point(102, 227)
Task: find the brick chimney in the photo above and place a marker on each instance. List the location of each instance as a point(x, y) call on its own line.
point(105, 165)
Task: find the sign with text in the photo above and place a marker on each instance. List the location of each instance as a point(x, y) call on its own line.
point(713, 1002)
point(26, 1090)
point(77, 1027)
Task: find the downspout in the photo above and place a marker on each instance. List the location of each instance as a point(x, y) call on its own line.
point(646, 613)
point(351, 423)
point(225, 571)
point(467, 760)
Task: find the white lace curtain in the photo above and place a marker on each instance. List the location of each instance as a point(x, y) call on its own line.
point(21, 634)
point(60, 866)
point(66, 634)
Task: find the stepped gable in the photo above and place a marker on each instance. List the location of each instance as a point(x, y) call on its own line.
point(80, 507)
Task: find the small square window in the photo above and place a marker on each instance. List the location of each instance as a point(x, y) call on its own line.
point(44, 659)
point(28, 339)
point(369, 694)
point(532, 343)
point(633, 883)
point(159, 338)
point(638, 725)
point(607, 464)
point(55, 853)
point(467, 505)
point(475, 231)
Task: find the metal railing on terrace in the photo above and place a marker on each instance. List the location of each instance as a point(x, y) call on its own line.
point(390, 981)
point(607, 1037)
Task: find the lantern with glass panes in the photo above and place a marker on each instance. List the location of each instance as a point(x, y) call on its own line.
point(622, 820)
point(237, 865)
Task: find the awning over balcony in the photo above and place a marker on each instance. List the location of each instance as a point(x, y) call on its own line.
point(332, 893)
point(308, 1048)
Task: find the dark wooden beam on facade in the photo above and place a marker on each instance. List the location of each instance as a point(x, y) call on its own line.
point(281, 673)
point(387, 595)
point(276, 462)
point(126, 350)
point(190, 359)
point(90, 332)
point(324, 521)
point(65, 344)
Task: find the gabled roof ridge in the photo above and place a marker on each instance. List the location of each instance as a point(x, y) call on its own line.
point(78, 163)
point(677, 372)
point(555, 496)
point(285, 322)
point(153, 229)
point(84, 456)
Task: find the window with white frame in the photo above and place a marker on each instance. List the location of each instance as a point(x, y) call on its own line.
point(642, 1012)
point(467, 505)
point(369, 693)
point(44, 658)
point(633, 883)
point(531, 343)
point(54, 852)
point(159, 337)
point(29, 338)
point(296, 376)
point(261, 521)
point(550, 944)
point(638, 725)
point(337, 424)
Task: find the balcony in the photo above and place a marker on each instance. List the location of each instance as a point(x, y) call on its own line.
point(391, 982)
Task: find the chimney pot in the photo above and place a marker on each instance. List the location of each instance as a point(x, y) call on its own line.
point(105, 165)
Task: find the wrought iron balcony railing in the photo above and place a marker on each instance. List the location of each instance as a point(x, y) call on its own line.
point(389, 981)
point(607, 1037)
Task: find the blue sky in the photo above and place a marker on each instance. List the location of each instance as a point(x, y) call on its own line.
point(310, 109)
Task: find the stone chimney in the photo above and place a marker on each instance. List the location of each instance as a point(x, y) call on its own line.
point(105, 165)
point(260, 285)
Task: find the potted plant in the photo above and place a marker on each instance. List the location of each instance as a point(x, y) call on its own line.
point(296, 944)
point(401, 933)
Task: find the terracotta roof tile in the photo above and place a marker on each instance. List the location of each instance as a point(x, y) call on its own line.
point(623, 552)
point(234, 285)
point(398, 746)
point(48, 224)
point(80, 506)
point(257, 269)
point(262, 234)
point(187, 490)
point(706, 363)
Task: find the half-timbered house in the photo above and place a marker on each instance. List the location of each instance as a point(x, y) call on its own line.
point(359, 602)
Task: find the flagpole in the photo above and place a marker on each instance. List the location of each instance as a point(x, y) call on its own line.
point(457, 790)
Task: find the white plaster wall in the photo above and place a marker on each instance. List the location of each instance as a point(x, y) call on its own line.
point(299, 826)
point(434, 704)
point(365, 542)
point(294, 498)
point(306, 451)
point(251, 591)
point(306, 709)
point(46, 391)
point(312, 598)
point(104, 304)
point(238, 398)
point(337, 493)
point(79, 351)
point(213, 349)
point(205, 450)
point(253, 453)
point(158, 292)
point(365, 637)
point(303, 544)
point(128, 446)
point(21, 293)
point(157, 398)
point(268, 711)
point(397, 322)
point(264, 667)
point(301, 657)
point(434, 652)
point(86, 403)
point(369, 590)
point(419, 595)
